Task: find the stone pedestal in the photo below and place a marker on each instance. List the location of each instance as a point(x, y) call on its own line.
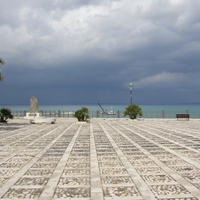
point(32, 115)
point(28, 114)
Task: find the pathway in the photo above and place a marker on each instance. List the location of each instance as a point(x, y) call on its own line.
point(103, 160)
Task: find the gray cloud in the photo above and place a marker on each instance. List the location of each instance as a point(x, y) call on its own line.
point(93, 49)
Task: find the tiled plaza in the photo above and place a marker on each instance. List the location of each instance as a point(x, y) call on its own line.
point(105, 159)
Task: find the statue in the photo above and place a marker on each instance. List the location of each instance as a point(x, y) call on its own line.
point(33, 105)
point(33, 112)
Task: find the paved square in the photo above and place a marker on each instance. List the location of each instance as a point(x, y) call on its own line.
point(101, 160)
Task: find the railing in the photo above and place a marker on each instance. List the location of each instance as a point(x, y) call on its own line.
point(118, 114)
point(170, 114)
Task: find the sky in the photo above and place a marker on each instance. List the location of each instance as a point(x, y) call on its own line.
point(88, 51)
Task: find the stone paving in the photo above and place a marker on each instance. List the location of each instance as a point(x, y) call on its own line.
point(101, 160)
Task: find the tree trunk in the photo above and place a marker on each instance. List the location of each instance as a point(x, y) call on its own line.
point(3, 120)
point(80, 119)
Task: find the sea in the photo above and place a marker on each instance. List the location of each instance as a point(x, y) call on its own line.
point(150, 111)
point(174, 107)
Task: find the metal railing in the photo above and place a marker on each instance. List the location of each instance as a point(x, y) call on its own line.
point(118, 114)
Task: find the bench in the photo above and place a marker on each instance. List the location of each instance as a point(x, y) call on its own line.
point(43, 120)
point(183, 116)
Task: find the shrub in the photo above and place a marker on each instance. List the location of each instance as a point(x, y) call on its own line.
point(5, 113)
point(82, 114)
point(133, 111)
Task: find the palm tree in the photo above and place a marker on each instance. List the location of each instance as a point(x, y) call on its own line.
point(1, 62)
point(82, 114)
point(133, 111)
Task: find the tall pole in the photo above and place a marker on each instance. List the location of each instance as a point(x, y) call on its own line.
point(131, 89)
point(131, 97)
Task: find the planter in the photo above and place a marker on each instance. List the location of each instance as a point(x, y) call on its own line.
point(3, 122)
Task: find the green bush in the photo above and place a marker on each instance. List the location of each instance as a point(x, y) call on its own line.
point(82, 114)
point(5, 113)
point(133, 111)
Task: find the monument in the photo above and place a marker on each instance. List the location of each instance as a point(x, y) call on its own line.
point(33, 112)
point(33, 105)
point(35, 116)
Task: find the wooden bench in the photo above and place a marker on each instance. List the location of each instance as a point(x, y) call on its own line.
point(183, 116)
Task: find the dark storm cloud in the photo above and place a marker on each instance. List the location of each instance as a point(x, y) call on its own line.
point(91, 50)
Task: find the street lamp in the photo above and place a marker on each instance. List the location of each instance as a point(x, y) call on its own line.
point(131, 89)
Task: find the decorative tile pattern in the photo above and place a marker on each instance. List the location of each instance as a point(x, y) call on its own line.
point(157, 178)
point(120, 192)
point(116, 180)
point(42, 172)
point(133, 159)
point(22, 193)
point(113, 171)
point(32, 181)
point(72, 192)
point(168, 189)
point(2, 181)
point(7, 172)
point(149, 170)
point(74, 181)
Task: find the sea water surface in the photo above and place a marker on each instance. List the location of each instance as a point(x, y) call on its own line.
point(177, 107)
point(149, 111)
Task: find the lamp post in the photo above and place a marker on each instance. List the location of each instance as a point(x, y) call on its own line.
point(131, 89)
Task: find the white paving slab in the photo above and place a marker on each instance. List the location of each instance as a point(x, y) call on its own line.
point(101, 160)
